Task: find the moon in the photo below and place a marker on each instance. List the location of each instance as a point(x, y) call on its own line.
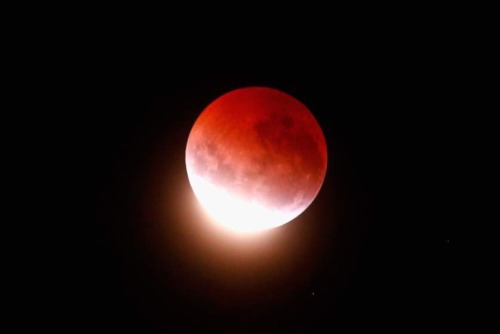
point(256, 158)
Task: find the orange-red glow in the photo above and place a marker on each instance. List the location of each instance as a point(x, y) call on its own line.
point(256, 159)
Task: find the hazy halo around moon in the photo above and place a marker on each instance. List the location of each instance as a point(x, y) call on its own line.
point(256, 159)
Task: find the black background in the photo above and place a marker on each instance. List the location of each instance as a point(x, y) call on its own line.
point(374, 250)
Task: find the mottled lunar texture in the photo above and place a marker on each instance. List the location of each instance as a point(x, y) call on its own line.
point(256, 146)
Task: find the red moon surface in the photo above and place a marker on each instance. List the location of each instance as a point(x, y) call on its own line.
point(256, 158)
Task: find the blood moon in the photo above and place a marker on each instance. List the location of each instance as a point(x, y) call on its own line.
point(256, 158)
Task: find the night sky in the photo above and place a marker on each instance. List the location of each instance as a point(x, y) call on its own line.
point(371, 251)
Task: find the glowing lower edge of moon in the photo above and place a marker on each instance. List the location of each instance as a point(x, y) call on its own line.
point(237, 214)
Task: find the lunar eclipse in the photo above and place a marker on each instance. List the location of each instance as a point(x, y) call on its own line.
point(168, 171)
point(256, 158)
